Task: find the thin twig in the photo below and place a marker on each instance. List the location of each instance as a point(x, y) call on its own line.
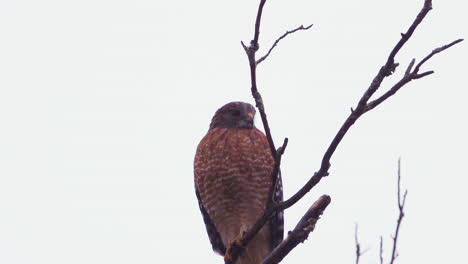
point(251, 51)
point(409, 75)
point(300, 233)
point(407, 35)
point(280, 38)
point(359, 252)
point(358, 246)
point(254, 41)
point(381, 250)
point(434, 52)
point(401, 206)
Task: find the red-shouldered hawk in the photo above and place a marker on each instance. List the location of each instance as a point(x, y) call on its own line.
point(233, 169)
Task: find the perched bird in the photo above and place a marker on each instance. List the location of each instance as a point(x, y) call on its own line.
point(233, 178)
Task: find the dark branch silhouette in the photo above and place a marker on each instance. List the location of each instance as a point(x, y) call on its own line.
point(300, 233)
point(381, 250)
point(409, 75)
point(401, 206)
point(358, 246)
point(359, 252)
point(301, 27)
point(362, 107)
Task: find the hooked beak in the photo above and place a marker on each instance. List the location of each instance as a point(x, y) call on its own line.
point(248, 121)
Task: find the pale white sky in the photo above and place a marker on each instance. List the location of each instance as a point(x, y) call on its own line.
point(102, 104)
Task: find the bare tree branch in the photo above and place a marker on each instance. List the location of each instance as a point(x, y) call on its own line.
point(359, 252)
point(362, 107)
point(300, 233)
point(401, 206)
point(435, 51)
point(254, 41)
point(406, 36)
point(251, 51)
point(358, 246)
point(280, 38)
point(381, 250)
point(409, 75)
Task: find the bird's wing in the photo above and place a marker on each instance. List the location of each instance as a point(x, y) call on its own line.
point(213, 234)
point(277, 219)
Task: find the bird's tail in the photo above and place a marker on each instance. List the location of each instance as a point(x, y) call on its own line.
point(258, 248)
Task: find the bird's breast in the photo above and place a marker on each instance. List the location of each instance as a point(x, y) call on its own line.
point(233, 174)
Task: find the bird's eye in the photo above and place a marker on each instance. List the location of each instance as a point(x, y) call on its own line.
point(235, 113)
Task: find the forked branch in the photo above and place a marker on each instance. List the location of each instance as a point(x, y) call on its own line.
point(401, 206)
point(235, 250)
point(301, 27)
point(358, 245)
point(362, 107)
point(410, 74)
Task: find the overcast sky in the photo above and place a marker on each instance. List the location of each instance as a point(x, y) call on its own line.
point(102, 104)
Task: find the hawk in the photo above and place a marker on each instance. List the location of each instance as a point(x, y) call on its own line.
point(233, 178)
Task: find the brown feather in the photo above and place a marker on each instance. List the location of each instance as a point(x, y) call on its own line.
point(233, 176)
point(233, 167)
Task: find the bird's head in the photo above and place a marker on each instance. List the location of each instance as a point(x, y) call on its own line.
point(234, 115)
